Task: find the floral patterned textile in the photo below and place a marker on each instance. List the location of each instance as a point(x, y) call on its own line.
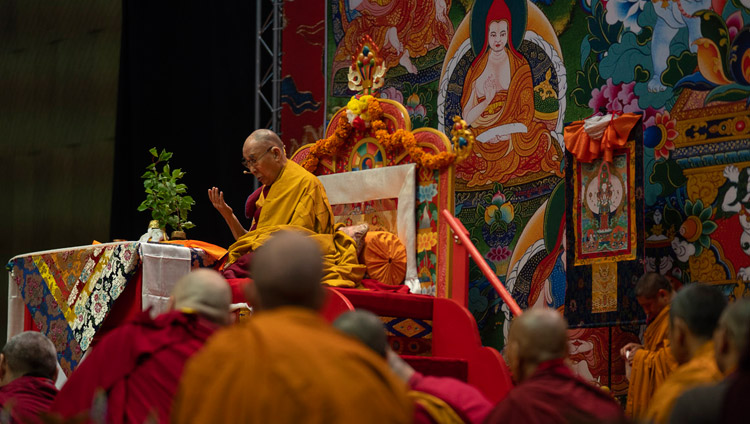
point(70, 292)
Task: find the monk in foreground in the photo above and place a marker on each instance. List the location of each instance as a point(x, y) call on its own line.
point(290, 198)
point(693, 318)
point(703, 404)
point(547, 391)
point(437, 399)
point(137, 366)
point(286, 364)
point(652, 362)
point(28, 368)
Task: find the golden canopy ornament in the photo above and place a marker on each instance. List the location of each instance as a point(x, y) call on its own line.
point(367, 69)
point(365, 118)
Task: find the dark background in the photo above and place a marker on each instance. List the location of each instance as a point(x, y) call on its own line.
point(88, 86)
point(186, 85)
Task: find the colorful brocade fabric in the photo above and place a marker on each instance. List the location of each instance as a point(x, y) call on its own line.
point(70, 292)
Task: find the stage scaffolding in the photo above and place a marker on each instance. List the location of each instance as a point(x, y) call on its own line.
point(268, 24)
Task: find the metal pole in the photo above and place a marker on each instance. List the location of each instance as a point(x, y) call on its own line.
point(276, 65)
point(258, 32)
point(460, 231)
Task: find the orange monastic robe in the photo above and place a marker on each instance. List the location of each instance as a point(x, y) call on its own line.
point(525, 152)
point(651, 365)
point(289, 366)
point(417, 26)
point(702, 369)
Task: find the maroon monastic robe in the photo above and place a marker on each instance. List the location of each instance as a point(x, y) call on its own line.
point(555, 395)
point(27, 397)
point(138, 365)
point(467, 401)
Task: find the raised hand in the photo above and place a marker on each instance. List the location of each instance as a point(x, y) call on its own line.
point(217, 199)
point(490, 87)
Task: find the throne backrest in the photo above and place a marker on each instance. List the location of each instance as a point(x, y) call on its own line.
point(433, 192)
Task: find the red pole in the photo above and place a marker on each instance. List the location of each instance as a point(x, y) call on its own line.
point(460, 231)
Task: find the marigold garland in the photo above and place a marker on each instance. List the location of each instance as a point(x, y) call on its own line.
point(400, 139)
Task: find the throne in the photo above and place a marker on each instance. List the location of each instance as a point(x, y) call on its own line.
point(377, 170)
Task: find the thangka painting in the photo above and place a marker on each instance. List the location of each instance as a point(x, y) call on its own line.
point(604, 216)
point(602, 267)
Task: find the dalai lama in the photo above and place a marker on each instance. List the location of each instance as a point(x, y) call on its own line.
point(290, 198)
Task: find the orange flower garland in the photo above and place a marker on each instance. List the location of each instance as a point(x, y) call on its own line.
point(399, 139)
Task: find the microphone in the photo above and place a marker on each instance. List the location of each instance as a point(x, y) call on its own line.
point(246, 172)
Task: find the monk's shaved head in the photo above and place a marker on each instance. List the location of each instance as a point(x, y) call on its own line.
point(536, 336)
point(365, 327)
point(29, 353)
point(287, 271)
point(206, 292)
point(265, 137)
point(542, 335)
point(650, 283)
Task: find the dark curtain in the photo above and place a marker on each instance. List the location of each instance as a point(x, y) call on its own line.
point(185, 85)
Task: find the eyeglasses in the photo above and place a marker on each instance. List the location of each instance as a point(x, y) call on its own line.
point(247, 163)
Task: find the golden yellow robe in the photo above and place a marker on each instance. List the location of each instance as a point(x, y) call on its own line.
point(702, 369)
point(651, 365)
point(289, 366)
point(298, 201)
point(297, 197)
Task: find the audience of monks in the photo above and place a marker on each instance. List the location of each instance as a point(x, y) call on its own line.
point(693, 317)
point(436, 399)
point(138, 365)
point(652, 361)
point(28, 368)
point(286, 364)
point(703, 404)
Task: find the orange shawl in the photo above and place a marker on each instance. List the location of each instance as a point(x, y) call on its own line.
point(289, 366)
point(651, 365)
point(702, 369)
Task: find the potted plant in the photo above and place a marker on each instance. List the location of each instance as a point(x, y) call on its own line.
point(165, 196)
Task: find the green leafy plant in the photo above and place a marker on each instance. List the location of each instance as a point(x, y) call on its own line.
point(165, 196)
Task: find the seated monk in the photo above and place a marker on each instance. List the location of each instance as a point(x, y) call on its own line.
point(547, 390)
point(693, 317)
point(28, 368)
point(437, 400)
point(290, 198)
point(138, 365)
point(286, 364)
point(703, 404)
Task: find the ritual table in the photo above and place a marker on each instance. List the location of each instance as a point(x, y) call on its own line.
point(75, 295)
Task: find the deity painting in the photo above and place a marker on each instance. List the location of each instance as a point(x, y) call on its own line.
point(604, 218)
point(498, 102)
point(505, 76)
point(404, 29)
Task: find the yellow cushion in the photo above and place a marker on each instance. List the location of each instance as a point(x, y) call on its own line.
point(384, 256)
